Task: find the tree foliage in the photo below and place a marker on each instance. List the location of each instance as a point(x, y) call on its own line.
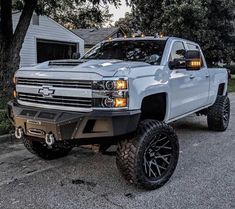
point(72, 14)
point(128, 23)
point(148, 15)
point(84, 16)
point(208, 22)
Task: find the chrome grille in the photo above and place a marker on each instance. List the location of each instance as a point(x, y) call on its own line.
point(55, 83)
point(56, 100)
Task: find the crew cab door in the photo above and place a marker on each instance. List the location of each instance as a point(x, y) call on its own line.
point(189, 89)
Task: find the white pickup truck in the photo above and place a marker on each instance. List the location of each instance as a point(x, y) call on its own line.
point(124, 91)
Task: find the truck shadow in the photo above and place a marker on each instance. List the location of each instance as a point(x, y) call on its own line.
point(191, 123)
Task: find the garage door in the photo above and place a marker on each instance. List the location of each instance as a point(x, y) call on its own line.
point(54, 50)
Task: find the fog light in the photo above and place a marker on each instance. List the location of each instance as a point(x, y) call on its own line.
point(120, 102)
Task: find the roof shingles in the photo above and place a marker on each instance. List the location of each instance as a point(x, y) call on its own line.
point(93, 36)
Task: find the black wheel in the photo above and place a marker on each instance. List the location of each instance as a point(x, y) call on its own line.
point(43, 151)
point(149, 159)
point(219, 114)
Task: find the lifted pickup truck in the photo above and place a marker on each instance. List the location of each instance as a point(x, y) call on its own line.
point(124, 91)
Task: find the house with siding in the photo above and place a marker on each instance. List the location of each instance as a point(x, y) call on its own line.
point(47, 40)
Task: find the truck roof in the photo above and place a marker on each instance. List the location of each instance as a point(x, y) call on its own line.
point(164, 38)
point(140, 38)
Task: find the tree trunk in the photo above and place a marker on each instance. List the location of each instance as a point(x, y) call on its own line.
point(11, 43)
point(8, 64)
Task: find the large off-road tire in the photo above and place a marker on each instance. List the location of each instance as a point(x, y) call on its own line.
point(43, 151)
point(219, 114)
point(149, 159)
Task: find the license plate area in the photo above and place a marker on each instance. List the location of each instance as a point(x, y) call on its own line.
point(35, 128)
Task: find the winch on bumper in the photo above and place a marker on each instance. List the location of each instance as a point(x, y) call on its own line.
point(65, 125)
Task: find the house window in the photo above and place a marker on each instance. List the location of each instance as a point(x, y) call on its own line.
point(35, 19)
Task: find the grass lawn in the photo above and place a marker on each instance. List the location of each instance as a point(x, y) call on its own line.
point(231, 84)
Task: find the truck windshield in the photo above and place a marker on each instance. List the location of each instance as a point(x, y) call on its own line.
point(149, 51)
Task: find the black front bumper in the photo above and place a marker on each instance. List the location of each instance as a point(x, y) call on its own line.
point(66, 125)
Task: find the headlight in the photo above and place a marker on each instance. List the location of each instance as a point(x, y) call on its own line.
point(119, 84)
point(110, 85)
point(110, 93)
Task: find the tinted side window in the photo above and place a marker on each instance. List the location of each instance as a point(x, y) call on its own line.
point(177, 51)
point(192, 47)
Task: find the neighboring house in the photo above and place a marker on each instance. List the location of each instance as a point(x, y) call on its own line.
point(47, 40)
point(93, 36)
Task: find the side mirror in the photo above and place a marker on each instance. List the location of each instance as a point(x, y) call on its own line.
point(177, 64)
point(76, 55)
point(193, 60)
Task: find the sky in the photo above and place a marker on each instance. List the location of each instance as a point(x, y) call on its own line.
point(120, 12)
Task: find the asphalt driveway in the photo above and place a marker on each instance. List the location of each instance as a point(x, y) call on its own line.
point(204, 178)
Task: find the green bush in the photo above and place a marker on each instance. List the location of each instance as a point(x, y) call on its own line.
point(5, 124)
point(232, 68)
point(3, 103)
point(231, 84)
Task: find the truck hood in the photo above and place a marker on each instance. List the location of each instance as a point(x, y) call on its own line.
point(104, 68)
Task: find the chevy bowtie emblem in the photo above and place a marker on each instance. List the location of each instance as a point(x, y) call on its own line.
point(46, 91)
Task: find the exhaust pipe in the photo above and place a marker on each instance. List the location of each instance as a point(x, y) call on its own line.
point(50, 139)
point(19, 133)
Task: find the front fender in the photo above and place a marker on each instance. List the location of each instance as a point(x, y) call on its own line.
point(152, 80)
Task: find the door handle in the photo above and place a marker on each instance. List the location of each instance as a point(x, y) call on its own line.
point(207, 75)
point(191, 76)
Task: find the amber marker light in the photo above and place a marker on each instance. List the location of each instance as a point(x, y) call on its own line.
point(161, 35)
point(14, 79)
point(195, 63)
point(14, 94)
point(121, 84)
point(120, 102)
